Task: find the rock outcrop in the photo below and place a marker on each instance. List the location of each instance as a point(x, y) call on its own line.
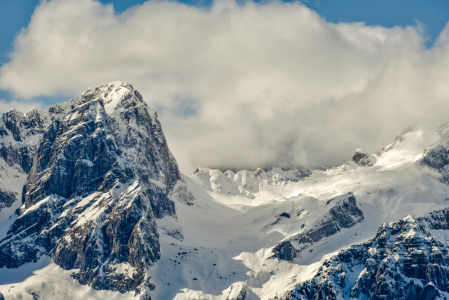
point(342, 213)
point(407, 259)
point(101, 174)
point(363, 159)
point(437, 156)
point(7, 198)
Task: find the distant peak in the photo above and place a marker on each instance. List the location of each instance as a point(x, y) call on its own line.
point(14, 111)
point(112, 84)
point(120, 83)
point(115, 94)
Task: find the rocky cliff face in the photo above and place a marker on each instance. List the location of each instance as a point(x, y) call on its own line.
point(19, 137)
point(438, 159)
point(7, 198)
point(407, 259)
point(342, 212)
point(437, 156)
point(100, 175)
point(18, 134)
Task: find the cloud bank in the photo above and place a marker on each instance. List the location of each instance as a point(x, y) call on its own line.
point(23, 106)
point(241, 86)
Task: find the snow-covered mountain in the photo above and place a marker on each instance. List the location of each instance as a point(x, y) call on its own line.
point(407, 259)
point(93, 206)
point(100, 177)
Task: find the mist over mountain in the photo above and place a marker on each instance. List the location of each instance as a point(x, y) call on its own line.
point(239, 85)
point(94, 206)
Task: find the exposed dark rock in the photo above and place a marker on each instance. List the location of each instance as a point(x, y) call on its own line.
point(100, 176)
point(20, 155)
point(17, 132)
point(363, 159)
point(344, 213)
point(437, 158)
point(285, 215)
point(285, 251)
point(403, 261)
point(7, 199)
point(73, 157)
point(33, 234)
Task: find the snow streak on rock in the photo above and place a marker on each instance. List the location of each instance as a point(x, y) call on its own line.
point(100, 177)
point(407, 259)
point(342, 212)
point(103, 212)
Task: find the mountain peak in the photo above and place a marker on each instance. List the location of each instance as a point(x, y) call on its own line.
point(116, 95)
point(100, 174)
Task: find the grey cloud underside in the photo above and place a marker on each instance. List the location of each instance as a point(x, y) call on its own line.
point(99, 199)
point(286, 87)
point(98, 181)
point(407, 259)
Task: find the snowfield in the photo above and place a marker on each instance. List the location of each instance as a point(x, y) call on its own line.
point(237, 232)
point(220, 243)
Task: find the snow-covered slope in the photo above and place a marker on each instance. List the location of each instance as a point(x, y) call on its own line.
point(247, 183)
point(407, 259)
point(317, 215)
point(104, 200)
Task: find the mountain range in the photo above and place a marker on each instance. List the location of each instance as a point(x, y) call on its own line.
point(94, 206)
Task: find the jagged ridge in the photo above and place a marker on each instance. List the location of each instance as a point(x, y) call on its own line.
point(407, 259)
point(100, 176)
point(341, 212)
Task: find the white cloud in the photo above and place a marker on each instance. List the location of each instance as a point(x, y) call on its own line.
point(23, 106)
point(261, 84)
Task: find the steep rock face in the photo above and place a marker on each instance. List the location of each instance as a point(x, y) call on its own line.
point(7, 199)
point(33, 234)
point(73, 156)
point(407, 259)
point(138, 132)
point(437, 158)
point(17, 130)
point(342, 213)
point(20, 134)
point(112, 248)
point(19, 137)
point(17, 146)
point(101, 174)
